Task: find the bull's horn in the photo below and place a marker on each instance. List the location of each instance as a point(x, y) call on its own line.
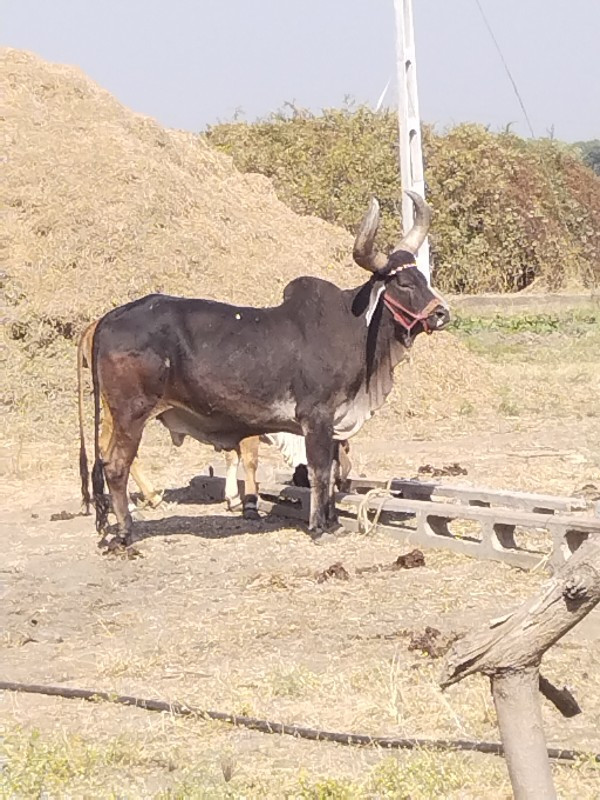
point(364, 253)
point(417, 234)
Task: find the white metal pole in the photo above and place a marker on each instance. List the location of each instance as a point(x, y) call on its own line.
point(409, 122)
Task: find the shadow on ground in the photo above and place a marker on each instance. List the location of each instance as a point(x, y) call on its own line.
point(211, 526)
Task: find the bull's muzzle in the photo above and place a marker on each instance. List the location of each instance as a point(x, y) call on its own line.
point(439, 318)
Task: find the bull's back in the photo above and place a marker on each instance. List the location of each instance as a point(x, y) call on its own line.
point(215, 354)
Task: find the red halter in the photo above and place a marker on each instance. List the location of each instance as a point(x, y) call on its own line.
point(408, 319)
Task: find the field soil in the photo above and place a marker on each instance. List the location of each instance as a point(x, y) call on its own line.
point(230, 615)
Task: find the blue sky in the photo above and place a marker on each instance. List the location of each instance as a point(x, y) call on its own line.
point(194, 63)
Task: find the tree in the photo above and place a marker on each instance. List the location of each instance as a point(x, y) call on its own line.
point(591, 153)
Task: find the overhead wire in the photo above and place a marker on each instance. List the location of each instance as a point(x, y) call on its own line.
point(506, 67)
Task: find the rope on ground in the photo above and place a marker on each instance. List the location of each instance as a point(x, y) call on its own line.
point(366, 525)
point(298, 731)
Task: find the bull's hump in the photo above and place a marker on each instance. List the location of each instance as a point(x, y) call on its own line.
point(307, 289)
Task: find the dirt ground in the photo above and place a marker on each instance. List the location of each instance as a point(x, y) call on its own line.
point(229, 615)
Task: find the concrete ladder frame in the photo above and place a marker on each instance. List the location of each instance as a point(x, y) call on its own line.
point(566, 520)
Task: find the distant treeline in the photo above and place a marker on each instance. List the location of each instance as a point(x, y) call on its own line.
point(508, 210)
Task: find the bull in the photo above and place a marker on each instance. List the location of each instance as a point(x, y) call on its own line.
point(319, 364)
point(291, 447)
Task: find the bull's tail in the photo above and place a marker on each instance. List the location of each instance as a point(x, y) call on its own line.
point(83, 356)
point(100, 499)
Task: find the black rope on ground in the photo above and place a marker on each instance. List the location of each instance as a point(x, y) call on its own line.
point(266, 726)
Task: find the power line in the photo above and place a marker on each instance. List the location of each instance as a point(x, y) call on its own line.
point(506, 67)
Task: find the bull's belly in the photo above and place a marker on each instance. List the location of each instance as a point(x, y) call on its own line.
point(219, 430)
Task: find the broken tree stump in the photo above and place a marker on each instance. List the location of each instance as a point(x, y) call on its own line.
point(520, 721)
point(509, 650)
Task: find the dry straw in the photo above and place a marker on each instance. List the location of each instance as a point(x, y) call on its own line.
point(102, 205)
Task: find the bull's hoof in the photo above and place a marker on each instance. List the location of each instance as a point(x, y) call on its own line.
point(140, 501)
point(154, 500)
point(300, 477)
point(326, 537)
point(321, 535)
point(111, 545)
point(107, 533)
point(119, 546)
point(251, 507)
point(119, 549)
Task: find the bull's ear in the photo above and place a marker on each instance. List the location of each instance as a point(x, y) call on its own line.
point(364, 252)
point(361, 301)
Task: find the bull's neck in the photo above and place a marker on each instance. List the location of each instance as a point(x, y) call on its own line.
point(381, 346)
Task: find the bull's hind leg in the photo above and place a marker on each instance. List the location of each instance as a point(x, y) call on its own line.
point(249, 454)
point(118, 459)
point(133, 385)
point(152, 496)
point(320, 453)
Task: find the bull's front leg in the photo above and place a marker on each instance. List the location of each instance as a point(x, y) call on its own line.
point(320, 450)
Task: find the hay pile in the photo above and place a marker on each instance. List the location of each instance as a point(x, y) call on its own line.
point(104, 205)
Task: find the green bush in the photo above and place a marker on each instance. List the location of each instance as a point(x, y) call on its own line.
point(590, 152)
point(508, 211)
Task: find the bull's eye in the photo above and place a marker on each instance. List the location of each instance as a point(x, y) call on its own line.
point(404, 285)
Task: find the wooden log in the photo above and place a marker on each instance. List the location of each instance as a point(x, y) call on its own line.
point(562, 699)
point(519, 713)
point(509, 650)
point(520, 638)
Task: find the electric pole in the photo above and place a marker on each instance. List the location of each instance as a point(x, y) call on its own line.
point(409, 123)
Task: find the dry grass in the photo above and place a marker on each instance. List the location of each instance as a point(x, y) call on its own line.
point(105, 205)
point(135, 765)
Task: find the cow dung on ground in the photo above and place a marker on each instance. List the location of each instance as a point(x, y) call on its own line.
point(104, 205)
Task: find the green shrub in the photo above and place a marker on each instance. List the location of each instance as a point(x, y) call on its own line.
point(508, 211)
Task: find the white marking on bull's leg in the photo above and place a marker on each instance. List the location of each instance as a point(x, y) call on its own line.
point(234, 503)
point(232, 497)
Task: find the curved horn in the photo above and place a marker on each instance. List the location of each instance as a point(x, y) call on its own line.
point(364, 253)
point(416, 235)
